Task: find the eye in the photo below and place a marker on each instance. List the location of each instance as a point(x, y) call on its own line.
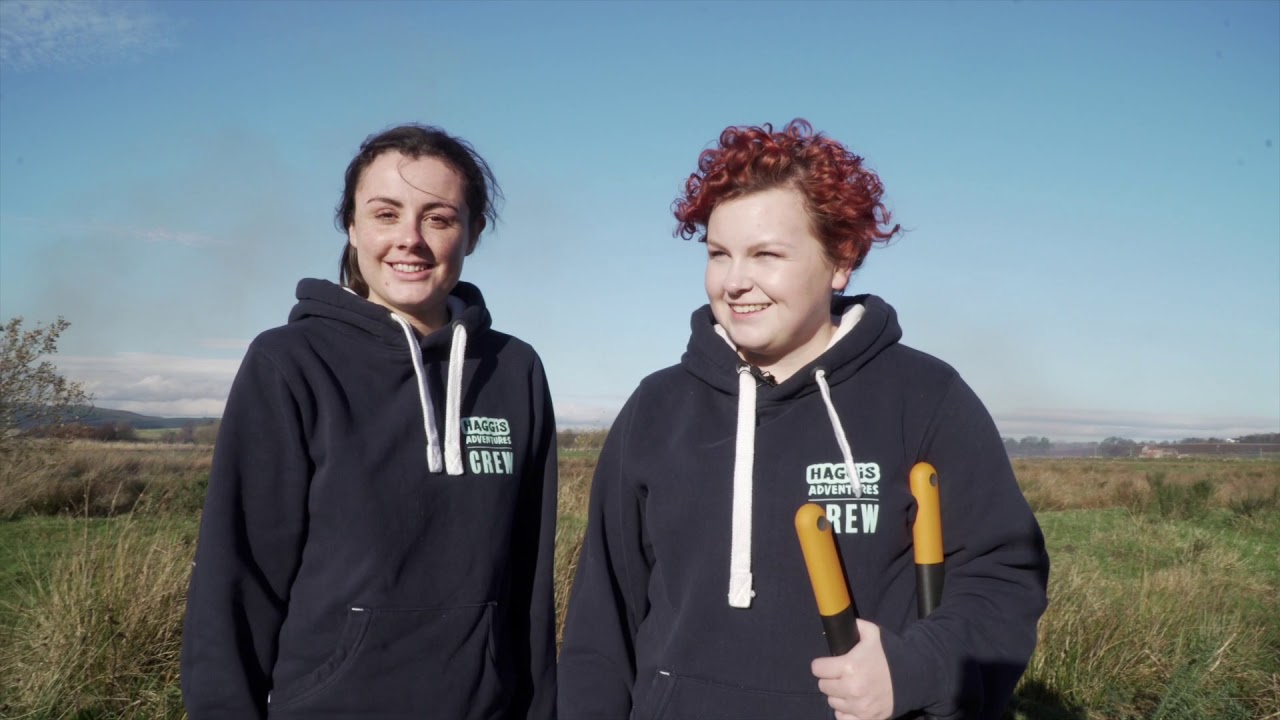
point(385, 215)
point(438, 221)
point(716, 253)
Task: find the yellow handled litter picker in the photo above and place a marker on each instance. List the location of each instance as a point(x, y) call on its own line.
point(831, 590)
point(839, 616)
point(926, 534)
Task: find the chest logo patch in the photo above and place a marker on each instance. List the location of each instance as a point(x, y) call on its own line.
point(831, 487)
point(488, 443)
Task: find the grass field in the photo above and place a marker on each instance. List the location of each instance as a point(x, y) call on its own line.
point(1164, 602)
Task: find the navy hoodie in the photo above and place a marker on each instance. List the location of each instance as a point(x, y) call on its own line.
point(337, 574)
point(651, 632)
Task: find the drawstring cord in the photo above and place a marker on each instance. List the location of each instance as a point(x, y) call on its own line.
point(453, 401)
point(740, 592)
point(820, 376)
point(451, 458)
point(740, 577)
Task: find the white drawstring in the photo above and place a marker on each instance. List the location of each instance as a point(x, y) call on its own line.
point(453, 394)
point(740, 592)
point(740, 577)
point(820, 376)
point(453, 401)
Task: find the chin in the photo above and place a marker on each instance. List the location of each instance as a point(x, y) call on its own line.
point(745, 345)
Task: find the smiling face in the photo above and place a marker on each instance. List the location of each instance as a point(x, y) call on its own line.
point(411, 232)
point(769, 281)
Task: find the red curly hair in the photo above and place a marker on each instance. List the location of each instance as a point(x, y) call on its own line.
point(842, 197)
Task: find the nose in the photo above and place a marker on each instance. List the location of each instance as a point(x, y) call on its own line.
point(412, 236)
point(737, 278)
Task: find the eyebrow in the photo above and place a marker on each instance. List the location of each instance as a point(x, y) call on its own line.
point(396, 203)
point(753, 247)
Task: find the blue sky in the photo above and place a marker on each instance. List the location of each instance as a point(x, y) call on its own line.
point(1092, 190)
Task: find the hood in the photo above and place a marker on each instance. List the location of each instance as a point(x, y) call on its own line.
point(325, 299)
point(714, 361)
point(866, 325)
point(467, 316)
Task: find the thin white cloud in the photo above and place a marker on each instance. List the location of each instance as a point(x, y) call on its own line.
point(1083, 424)
point(154, 384)
point(588, 415)
point(170, 385)
point(224, 344)
point(102, 230)
point(164, 235)
point(37, 34)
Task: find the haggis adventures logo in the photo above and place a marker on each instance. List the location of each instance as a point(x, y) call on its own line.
point(488, 442)
point(830, 487)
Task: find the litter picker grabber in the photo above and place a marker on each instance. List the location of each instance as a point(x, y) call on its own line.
point(817, 542)
point(926, 533)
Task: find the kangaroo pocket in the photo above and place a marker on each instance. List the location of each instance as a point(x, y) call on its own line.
point(676, 697)
point(425, 662)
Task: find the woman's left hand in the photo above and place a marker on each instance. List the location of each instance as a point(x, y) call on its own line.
point(857, 684)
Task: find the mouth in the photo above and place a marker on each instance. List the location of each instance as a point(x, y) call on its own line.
point(410, 268)
point(748, 309)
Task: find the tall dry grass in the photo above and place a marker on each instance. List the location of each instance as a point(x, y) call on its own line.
point(1090, 484)
point(1161, 616)
point(1194, 634)
point(94, 479)
point(98, 635)
point(576, 468)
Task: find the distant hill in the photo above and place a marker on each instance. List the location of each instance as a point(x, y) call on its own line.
point(102, 416)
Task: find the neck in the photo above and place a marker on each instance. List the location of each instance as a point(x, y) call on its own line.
point(785, 366)
point(426, 323)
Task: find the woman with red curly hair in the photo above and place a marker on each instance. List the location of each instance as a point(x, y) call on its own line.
point(692, 598)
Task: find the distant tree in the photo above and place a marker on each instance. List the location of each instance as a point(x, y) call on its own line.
point(566, 438)
point(207, 433)
point(32, 392)
point(1260, 438)
point(1033, 445)
point(115, 432)
point(1117, 447)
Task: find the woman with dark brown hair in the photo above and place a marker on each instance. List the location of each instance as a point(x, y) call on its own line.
point(378, 534)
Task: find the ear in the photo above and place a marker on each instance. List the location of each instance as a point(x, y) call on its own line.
point(475, 235)
point(840, 278)
point(351, 237)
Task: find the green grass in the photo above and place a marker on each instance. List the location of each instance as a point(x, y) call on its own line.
point(1157, 617)
point(92, 623)
point(1163, 591)
point(31, 546)
point(153, 434)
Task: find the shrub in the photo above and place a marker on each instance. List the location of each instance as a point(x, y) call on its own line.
point(1176, 501)
point(1250, 506)
point(100, 635)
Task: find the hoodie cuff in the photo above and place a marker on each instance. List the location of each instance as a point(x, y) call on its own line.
point(916, 673)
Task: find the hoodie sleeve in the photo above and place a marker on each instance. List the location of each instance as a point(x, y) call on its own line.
point(609, 599)
point(249, 547)
point(534, 560)
point(964, 660)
